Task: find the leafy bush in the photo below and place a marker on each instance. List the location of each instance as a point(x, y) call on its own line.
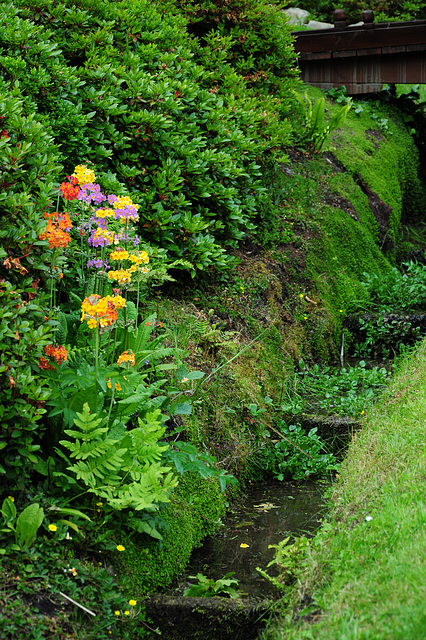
point(315, 131)
point(28, 159)
point(387, 334)
point(342, 391)
point(117, 85)
point(253, 33)
point(209, 588)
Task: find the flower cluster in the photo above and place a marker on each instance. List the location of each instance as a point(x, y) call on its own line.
point(101, 311)
point(56, 232)
point(117, 385)
point(83, 174)
point(57, 352)
point(123, 276)
point(45, 364)
point(102, 237)
point(126, 359)
point(91, 193)
point(98, 263)
point(106, 227)
point(70, 190)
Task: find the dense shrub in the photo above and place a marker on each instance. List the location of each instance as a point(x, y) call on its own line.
point(384, 10)
point(28, 166)
point(257, 35)
point(117, 85)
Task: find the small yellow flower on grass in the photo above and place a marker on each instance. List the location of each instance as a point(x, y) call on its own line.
point(127, 613)
point(132, 603)
point(244, 545)
point(52, 527)
point(120, 547)
point(99, 504)
point(117, 613)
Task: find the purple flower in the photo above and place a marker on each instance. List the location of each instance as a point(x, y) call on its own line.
point(128, 213)
point(112, 198)
point(91, 193)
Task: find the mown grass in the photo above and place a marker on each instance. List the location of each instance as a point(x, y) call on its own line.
point(367, 579)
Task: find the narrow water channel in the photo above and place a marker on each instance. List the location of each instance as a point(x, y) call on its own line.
point(265, 515)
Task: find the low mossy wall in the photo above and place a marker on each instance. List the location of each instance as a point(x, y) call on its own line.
point(195, 511)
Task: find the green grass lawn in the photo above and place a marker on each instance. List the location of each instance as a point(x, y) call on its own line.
point(367, 580)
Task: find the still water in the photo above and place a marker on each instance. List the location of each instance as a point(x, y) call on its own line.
point(265, 515)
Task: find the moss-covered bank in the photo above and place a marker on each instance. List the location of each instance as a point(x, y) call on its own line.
point(367, 577)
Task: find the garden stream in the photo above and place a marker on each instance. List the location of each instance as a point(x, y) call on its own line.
point(265, 515)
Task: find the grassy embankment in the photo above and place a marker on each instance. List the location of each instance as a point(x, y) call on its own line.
point(367, 578)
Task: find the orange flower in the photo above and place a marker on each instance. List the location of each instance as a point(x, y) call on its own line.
point(57, 352)
point(56, 237)
point(126, 359)
point(69, 191)
point(45, 364)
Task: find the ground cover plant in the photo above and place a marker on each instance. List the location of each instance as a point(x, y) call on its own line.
point(334, 390)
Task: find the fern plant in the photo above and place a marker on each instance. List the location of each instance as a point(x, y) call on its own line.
point(122, 467)
point(316, 130)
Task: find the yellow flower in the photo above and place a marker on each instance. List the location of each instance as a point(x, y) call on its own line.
point(99, 504)
point(117, 613)
point(127, 613)
point(52, 527)
point(119, 254)
point(83, 174)
point(244, 545)
point(117, 387)
point(120, 547)
point(124, 201)
point(11, 498)
point(132, 603)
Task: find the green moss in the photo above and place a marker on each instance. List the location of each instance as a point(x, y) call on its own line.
point(195, 511)
point(343, 184)
point(376, 147)
point(337, 260)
